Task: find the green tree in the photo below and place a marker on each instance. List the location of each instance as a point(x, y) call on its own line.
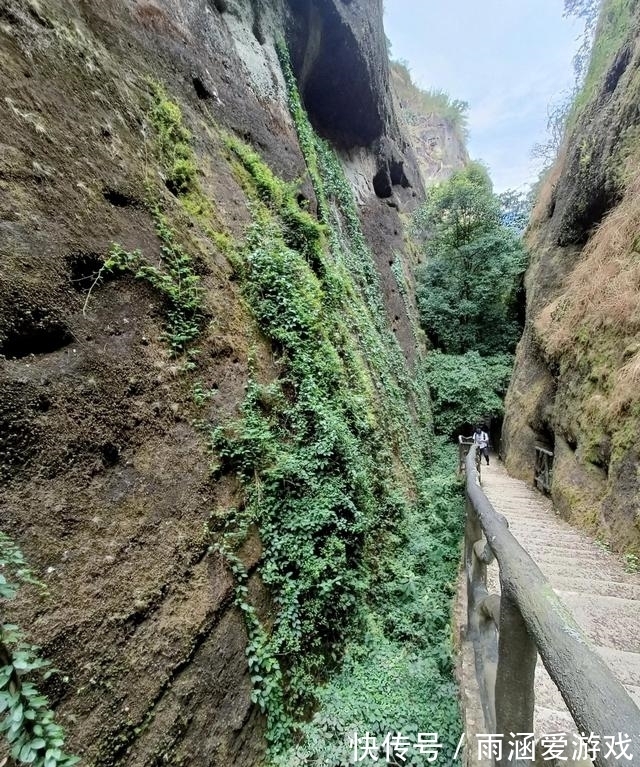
point(466, 290)
point(466, 388)
point(515, 209)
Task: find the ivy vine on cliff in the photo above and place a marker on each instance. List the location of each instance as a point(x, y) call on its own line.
point(336, 477)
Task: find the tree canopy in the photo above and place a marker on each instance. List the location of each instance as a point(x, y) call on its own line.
point(466, 290)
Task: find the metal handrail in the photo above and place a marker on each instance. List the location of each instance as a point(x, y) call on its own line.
point(509, 631)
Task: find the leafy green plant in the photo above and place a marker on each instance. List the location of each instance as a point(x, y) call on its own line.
point(200, 394)
point(266, 675)
point(466, 388)
point(176, 280)
point(335, 470)
point(174, 142)
point(28, 723)
point(397, 676)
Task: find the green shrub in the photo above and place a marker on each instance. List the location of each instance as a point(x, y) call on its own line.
point(175, 280)
point(466, 291)
point(27, 722)
point(466, 388)
point(336, 475)
point(174, 142)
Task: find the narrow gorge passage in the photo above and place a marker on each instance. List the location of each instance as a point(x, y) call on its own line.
point(262, 263)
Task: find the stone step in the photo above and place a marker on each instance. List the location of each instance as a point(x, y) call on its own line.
point(548, 720)
point(625, 665)
point(582, 585)
point(607, 621)
point(590, 581)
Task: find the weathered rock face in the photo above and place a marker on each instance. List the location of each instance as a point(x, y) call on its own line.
point(438, 147)
point(105, 481)
point(438, 143)
point(575, 383)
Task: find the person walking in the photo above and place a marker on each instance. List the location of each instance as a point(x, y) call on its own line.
point(481, 440)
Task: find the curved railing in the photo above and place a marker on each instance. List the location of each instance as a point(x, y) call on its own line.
point(509, 631)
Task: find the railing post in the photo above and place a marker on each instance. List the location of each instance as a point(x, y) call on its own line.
point(517, 656)
point(481, 612)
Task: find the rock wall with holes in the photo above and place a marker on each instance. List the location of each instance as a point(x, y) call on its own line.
point(105, 481)
point(575, 385)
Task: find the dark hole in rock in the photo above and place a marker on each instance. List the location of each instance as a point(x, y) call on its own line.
point(617, 70)
point(43, 403)
point(35, 333)
point(221, 5)
point(258, 33)
point(110, 454)
point(302, 201)
point(83, 269)
point(202, 92)
point(119, 199)
point(382, 184)
point(545, 437)
point(398, 176)
point(172, 187)
point(577, 228)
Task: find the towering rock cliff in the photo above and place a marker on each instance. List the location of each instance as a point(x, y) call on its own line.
point(575, 385)
point(435, 124)
point(128, 187)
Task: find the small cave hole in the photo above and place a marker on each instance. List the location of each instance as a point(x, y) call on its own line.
point(110, 454)
point(397, 174)
point(258, 33)
point(222, 6)
point(34, 332)
point(382, 184)
point(84, 267)
point(119, 199)
point(43, 403)
point(202, 92)
point(545, 437)
point(617, 70)
point(172, 187)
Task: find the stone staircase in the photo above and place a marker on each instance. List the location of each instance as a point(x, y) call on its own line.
point(593, 583)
